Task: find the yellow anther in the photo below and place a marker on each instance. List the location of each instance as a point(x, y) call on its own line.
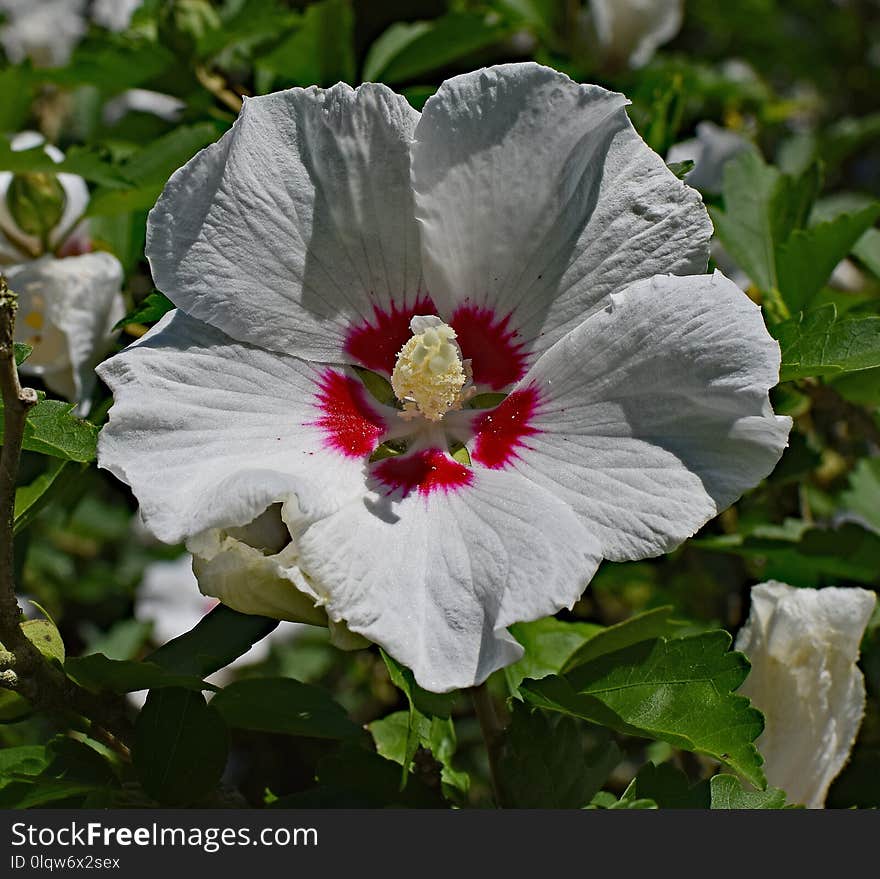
point(429, 374)
point(34, 320)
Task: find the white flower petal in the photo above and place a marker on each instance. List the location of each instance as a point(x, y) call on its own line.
point(437, 575)
point(301, 216)
point(46, 31)
point(803, 645)
point(631, 31)
point(230, 428)
point(537, 197)
point(115, 15)
point(67, 310)
point(649, 418)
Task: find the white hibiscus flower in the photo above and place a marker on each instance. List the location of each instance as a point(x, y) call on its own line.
point(803, 645)
point(47, 31)
point(69, 299)
point(630, 31)
point(508, 242)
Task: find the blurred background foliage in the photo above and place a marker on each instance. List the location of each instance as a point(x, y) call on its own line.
point(798, 78)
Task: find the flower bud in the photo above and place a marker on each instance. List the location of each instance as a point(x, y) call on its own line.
point(36, 201)
point(184, 23)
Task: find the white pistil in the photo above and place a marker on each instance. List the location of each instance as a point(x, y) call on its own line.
point(429, 375)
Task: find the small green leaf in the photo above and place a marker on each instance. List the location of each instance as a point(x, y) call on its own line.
point(154, 306)
point(180, 746)
point(52, 429)
point(22, 352)
point(98, 673)
point(13, 707)
point(436, 735)
point(727, 792)
point(46, 638)
point(218, 639)
point(31, 498)
point(544, 763)
point(681, 169)
point(863, 495)
point(806, 260)
point(678, 691)
point(821, 344)
point(284, 705)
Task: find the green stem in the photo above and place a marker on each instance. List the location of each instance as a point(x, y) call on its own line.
point(493, 732)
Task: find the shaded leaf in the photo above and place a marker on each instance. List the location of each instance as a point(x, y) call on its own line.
point(545, 764)
point(180, 746)
point(407, 50)
point(284, 705)
point(219, 638)
point(98, 673)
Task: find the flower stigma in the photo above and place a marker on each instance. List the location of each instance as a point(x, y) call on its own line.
point(429, 375)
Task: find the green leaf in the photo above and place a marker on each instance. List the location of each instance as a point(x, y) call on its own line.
point(681, 169)
point(545, 763)
point(87, 162)
point(154, 306)
point(863, 495)
point(44, 635)
point(762, 207)
point(727, 792)
point(98, 673)
point(321, 52)
point(807, 259)
point(21, 352)
point(218, 639)
point(13, 707)
point(803, 555)
point(548, 644)
point(421, 704)
point(670, 788)
point(52, 429)
point(642, 627)
point(436, 736)
point(33, 497)
point(284, 705)
point(408, 50)
point(678, 691)
point(819, 343)
point(22, 760)
point(180, 746)
point(148, 170)
point(867, 251)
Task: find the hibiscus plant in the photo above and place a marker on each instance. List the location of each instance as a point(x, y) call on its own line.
point(471, 408)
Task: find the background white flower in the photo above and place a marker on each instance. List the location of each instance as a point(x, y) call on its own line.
point(68, 306)
point(631, 31)
point(514, 238)
point(803, 645)
point(710, 150)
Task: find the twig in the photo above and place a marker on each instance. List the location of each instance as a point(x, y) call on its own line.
point(493, 733)
point(16, 403)
point(22, 667)
point(216, 85)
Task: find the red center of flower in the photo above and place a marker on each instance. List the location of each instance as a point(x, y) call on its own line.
point(375, 344)
point(502, 431)
point(426, 471)
point(350, 424)
point(496, 351)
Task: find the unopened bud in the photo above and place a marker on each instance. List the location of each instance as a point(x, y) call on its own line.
point(36, 201)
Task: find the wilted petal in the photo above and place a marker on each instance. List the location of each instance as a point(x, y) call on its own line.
point(650, 417)
point(231, 429)
point(537, 200)
point(301, 216)
point(803, 645)
point(67, 311)
point(440, 559)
